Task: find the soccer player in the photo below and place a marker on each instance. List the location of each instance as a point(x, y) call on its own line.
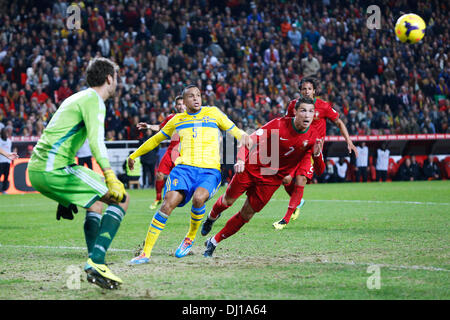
point(168, 160)
point(197, 170)
point(323, 111)
point(286, 141)
point(53, 172)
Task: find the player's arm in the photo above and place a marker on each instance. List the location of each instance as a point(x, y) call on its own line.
point(152, 142)
point(10, 156)
point(243, 152)
point(319, 163)
point(145, 126)
point(344, 133)
point(94, 121)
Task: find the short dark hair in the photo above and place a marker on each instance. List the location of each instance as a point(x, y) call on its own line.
point(313, 81)
point(98, 70)
point(178, 98)
point(187, 88)
point(303, 99)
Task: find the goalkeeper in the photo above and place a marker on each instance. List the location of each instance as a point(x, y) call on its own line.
point(53, 172)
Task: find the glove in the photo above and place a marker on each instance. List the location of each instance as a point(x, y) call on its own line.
point(66, 213)
point(115, 187)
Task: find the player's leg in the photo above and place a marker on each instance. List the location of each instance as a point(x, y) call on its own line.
point(233, 225)
point(164, 168)
point(96, 268)
point(83, 187)
point(238, 185)
point(92, 225)
point(294, 201)
point(177, 192)
point(159, 185)
point(207, 183)
point(171, 200)
point(257, 197)
point(201, 195)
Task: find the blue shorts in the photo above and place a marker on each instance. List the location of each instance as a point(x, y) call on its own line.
point(188, 178)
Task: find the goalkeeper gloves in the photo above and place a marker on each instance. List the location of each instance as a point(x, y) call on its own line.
point(66, 213)
point(115, 187)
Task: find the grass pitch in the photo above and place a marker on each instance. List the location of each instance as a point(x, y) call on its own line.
point(352, 241)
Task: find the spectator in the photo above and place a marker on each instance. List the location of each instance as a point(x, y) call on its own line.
point(409, 170)
point(96, 22)
point(130, 175)
point(5, 163)
point(382, 162)
point(431, 170)
point(271, 55)
point(329, 174)
point(362, 161)
point(64, 91)
point(341, 170)
point(310, 65)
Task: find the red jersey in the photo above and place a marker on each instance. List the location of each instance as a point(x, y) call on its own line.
point(278, 150)
point(323, 111)
point(175, 141)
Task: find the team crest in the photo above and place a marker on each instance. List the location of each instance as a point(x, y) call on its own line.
point(175, 182)
point(316, 115)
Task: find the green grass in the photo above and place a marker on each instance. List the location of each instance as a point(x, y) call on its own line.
point(401, 227)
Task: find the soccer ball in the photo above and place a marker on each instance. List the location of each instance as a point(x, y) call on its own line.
point(410, 28)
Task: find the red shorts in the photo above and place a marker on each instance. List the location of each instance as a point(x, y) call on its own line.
point(168, 161)
point(258, 194)
point(305, 168)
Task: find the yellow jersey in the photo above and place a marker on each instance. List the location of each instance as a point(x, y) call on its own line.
point(199, 137)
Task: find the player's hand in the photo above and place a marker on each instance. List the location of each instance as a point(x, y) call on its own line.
point(130, 163)
point(66, 213)
point(350, 147)
point(142, 126)
point(12, 156)
point(317, 149)
point(287, 180)
point(239, 166)
point(115, 187)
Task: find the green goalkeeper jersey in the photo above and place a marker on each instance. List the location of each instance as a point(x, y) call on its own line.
point(80, 116)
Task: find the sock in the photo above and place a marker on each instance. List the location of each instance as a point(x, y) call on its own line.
point(91, 227)
point(156, 226)
point(159, 185)
point(196, 219)
point(108, 228)
point(290, 187)
point(217, 209)
point(232, 226)
point(296, 198)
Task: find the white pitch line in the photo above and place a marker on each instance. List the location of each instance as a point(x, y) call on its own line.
point(284, 200)
point(425, 268)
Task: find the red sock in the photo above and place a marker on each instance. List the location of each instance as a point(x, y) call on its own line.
point(159, 185)
point(232, 226)
point(296, 198)
point(217, 208)
point(290, 187)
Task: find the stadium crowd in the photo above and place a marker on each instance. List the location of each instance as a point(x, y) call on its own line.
point(247, 57)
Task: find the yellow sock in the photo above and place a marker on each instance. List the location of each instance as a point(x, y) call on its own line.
point(196, 219)
point(156, 226)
